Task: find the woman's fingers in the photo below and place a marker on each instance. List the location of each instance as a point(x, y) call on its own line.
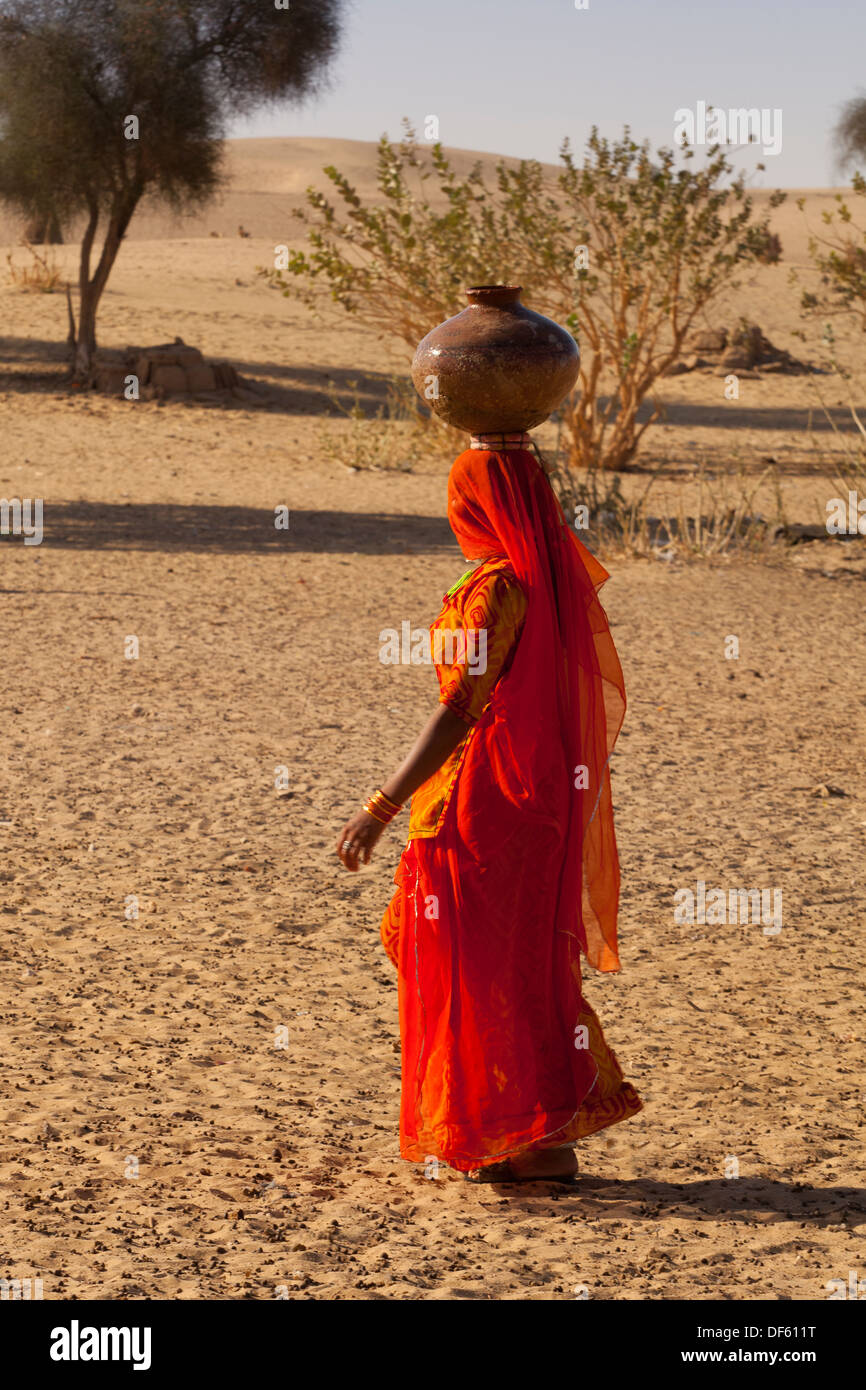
point(350, 845)
point(347, 848)
point(356, 839)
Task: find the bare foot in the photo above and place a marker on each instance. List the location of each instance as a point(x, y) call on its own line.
point(538, 1165)
point(545, 1163)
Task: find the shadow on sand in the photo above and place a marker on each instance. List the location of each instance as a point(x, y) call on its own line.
point(86, 525)
point(35, 364)
point(38, 365)
point(710, 1199)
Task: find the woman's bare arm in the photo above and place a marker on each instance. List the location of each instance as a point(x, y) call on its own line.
point(436, 741)
point(441, 734)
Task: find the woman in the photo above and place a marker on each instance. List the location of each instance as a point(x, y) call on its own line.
point(511, 869)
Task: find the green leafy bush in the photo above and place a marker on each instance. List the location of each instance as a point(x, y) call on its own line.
point(839, 255)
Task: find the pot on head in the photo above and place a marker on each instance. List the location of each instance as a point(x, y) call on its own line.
point(496, 366)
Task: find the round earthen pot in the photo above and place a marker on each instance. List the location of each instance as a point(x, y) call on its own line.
point(496, 366)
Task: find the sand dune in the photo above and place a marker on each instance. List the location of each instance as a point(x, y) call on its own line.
point(266, 179)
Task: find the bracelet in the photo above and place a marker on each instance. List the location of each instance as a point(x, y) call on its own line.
point(381, 807)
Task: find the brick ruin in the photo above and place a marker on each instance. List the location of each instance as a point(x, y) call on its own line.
point(174, 369)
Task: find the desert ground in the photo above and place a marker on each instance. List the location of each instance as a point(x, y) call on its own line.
point(196, 1008)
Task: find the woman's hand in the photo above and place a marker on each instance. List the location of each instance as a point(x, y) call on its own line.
point(358, 837)
point(441, 734)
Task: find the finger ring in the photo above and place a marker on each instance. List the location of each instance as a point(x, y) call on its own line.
point(347, 844)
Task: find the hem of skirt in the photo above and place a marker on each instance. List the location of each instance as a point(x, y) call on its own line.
point(417, 1152)
point(591, 1117)
point(595, 1115)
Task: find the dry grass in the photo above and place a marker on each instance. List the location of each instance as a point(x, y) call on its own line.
point(721, 520)
point(41, 276)
point(848, 465)
point(394, 439)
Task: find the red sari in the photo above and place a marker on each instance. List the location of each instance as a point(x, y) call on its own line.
point(511, 868)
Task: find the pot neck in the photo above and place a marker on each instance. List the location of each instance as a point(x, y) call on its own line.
point(493, 296)
point(517, 439)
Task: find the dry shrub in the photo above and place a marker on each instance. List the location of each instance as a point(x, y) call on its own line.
point(847, 467)
point(393, 439)
point(41, 276)
point(839, 255)
point(723, 521)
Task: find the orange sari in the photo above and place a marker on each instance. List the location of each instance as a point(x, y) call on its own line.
point(511, 871)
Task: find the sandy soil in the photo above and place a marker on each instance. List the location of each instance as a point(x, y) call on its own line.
point(161, 1136)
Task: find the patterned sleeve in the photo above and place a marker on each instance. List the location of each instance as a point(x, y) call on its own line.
point(486, 630)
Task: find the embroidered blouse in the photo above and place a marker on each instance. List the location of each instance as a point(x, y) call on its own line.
point(473, 641)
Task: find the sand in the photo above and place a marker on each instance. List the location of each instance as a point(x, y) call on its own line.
point(196, 1009)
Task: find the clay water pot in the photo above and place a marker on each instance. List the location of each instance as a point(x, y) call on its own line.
point(496, 366)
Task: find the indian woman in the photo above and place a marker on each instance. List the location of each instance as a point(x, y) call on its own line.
point(510, 874)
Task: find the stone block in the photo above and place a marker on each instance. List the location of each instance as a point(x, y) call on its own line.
point(225, 374)
point(200, 377)
point(170, 379)
point(111, 377)
point(716, 340)
point(187, 356)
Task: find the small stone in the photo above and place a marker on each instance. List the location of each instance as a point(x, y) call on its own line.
point(716, 340)
point(735, 360)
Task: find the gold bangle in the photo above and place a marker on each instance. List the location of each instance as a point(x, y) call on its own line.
point(381, 807)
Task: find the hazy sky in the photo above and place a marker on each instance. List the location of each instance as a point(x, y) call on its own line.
point(515, 76)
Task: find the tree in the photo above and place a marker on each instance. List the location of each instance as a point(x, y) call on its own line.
point(850, 132)
point(104, 101)
point(627, 249)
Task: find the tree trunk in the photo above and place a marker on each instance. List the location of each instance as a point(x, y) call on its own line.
point(44, 231)
point(70, 337)
point(90, 289)
point(85, 338)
